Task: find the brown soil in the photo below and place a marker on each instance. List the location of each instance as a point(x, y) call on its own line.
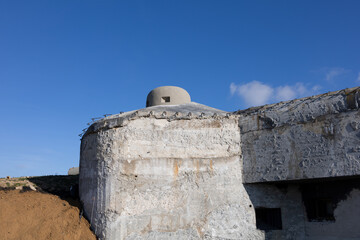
point(39, 215)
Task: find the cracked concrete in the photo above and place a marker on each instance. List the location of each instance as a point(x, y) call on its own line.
point(309, 138)
point(194, 172)
point(154, 178)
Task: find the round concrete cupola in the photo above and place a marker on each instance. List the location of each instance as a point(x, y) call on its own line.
point(167, 95)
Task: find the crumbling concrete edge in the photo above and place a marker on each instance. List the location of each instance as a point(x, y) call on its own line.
point(169, 113)
point(299, 111)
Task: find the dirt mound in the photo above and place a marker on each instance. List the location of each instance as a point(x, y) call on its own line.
point(35, 215)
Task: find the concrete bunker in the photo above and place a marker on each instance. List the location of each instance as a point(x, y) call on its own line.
point(183, 170)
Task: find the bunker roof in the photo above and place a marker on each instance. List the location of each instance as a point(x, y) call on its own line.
point(170, 112)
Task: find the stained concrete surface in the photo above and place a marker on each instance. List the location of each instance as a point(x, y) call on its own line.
point(307, 138)
point(178, 171)
point(160, 179)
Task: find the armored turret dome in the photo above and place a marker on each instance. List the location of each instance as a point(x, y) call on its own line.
point(167, 95)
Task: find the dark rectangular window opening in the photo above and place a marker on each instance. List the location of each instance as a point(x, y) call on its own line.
point(320, 209)
point(165, 99)
point(268, 219)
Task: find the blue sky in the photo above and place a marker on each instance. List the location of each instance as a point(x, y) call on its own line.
point(65, 62)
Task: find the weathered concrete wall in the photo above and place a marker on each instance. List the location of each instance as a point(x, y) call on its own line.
point(346, 225)
point(150, 178)
point(288, 199)
point(315, 137)
point(295, 222)
point(343, 200)
point(177, 172)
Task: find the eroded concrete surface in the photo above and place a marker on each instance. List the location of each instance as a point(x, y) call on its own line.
point(315, 137)
point(295, 221)
point(160, 179)
point(195, 172)
point(346, 225)
point(288, 199)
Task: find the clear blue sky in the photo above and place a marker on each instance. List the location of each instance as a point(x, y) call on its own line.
point(64, 62)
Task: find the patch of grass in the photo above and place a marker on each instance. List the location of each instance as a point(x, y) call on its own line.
point(8, 184)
